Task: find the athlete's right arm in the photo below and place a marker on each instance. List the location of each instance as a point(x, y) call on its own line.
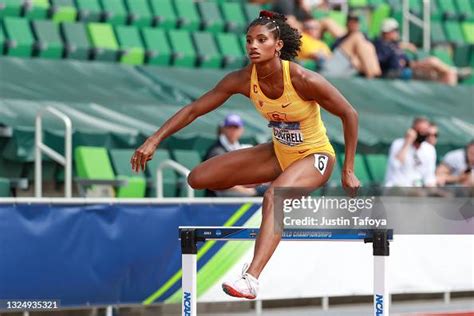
point(229, 85)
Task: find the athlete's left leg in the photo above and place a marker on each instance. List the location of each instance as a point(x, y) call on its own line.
point(310, 173)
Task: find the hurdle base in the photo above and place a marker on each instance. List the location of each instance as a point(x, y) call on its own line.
point(190, 237)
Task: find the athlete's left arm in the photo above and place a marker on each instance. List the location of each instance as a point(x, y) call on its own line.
point(313, 86)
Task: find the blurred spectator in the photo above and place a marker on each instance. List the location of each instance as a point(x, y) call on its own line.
point(412, 160)
point(311, 45)
point(352, 53)
point(433, 134)
point(296, 11)
point(395, 63)
point(457, 167)
point(299, 11)
point(230, 132)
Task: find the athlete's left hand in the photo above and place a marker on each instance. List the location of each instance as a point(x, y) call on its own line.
point(350, 183)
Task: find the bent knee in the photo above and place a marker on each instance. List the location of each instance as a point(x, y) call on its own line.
point(196, 180)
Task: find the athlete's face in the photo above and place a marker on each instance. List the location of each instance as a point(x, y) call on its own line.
point(262, 44)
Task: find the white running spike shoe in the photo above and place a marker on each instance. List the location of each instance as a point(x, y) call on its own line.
point(246, 286)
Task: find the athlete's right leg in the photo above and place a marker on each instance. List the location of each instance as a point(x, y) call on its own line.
point(244, 166)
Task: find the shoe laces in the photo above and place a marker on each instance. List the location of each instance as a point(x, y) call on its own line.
point(247, 277)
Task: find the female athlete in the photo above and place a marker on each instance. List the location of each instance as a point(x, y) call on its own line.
point(300, 155)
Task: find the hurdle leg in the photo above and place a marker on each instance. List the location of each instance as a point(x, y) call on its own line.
point(189, 276)
point(381, 293)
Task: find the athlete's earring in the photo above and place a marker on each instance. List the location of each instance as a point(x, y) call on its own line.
point(278, 53)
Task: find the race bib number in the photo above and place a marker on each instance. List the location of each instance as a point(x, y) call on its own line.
point(287, 133)
point(321, 162)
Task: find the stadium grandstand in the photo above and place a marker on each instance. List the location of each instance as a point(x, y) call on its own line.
point(83, 83)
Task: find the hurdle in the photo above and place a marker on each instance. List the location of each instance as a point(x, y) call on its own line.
point(190, 236)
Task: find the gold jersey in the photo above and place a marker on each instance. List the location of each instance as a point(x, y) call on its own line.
point(298, 130)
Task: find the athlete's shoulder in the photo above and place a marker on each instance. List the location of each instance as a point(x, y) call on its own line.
point(299, 72)
point(237, 81)
point(304, 80)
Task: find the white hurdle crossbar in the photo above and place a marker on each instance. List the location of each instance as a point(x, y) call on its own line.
point(190, 236)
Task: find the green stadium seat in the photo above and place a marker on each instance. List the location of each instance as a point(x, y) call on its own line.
point(465, 9)
point(379, 14)
point(376, 3)
point(76, 41)
point(335, 179)
point(443, 55)
point(120, 159)
point(37, 9)
point(170, 178)
point(3, 40)
point(189, 159)
point(340, 18)
point(435, 12)
point(5, 190)
point(11, 7)
point(462, 54)
point(140, 13)
point(377, 164)
point(358, 3)
point(184, 54)
point(89, 10)
point(114, 11)
point(454, 32)
point(468, 30)
point(364, 24)
point(93, 163)
point(447, 8)
point(207, 52)
point(48, 39)
point(131, 46)
point(416, 7)
point(243, 44)
point(20, 38)
point(63, 11)
point(395, 5)
point(188, 16)
point(319, 14)
point(103, 40)
point(211, 17)
point(471, 57)
point(121, 162)
point(360, 168)
point(309, 64)
point(164, 14)
point(437, 33)
point(10, 168)
point(252, 11)
point(158, 50)
point(234, 17)
point(230, 49)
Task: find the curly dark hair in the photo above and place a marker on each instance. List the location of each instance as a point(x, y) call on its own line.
point(276, 23)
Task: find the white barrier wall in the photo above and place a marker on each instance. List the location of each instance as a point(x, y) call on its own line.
point(417, 264)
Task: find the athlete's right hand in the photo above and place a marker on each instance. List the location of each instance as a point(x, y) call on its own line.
point(143, 154)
